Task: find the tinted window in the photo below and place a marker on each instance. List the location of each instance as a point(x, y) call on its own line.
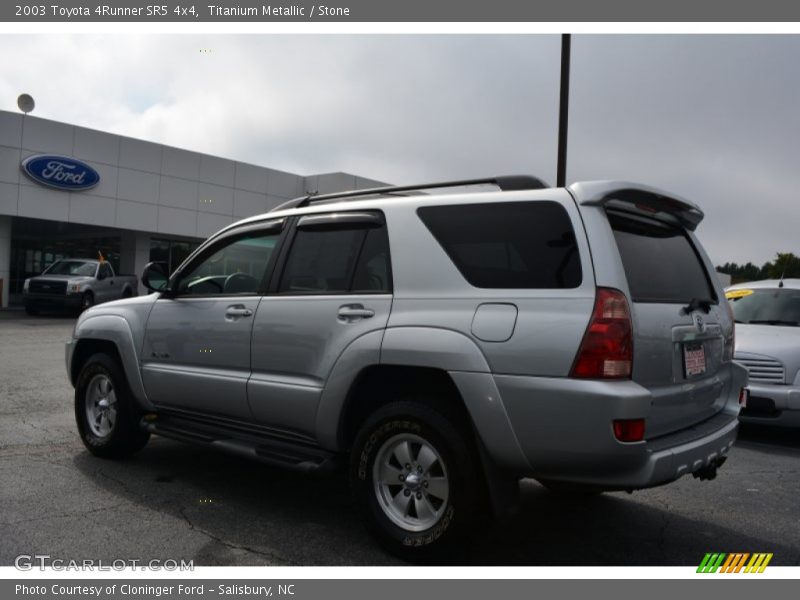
point(105, 271)
point(372, 271)
point(237, 266)
point(660, 262)
point(776, 306)
point(338, 261)
point(508, 244)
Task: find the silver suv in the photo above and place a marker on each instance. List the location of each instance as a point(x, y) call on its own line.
point(443, 346)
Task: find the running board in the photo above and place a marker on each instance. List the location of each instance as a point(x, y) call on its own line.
point(280, 453)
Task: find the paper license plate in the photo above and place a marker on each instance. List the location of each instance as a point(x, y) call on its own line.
point(694, 359)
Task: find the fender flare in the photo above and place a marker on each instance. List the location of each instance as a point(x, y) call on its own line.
point(432, 347)
point(465, 363)
point(426, 347)
point(115, 329)
point(361, 353)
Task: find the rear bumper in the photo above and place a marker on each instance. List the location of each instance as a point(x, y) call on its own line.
point(772, 405)
point(564, 427)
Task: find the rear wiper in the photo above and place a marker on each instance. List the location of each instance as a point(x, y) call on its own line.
point(697, 303)
point(774, 322)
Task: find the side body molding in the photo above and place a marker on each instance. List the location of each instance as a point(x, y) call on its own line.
point(115, 329)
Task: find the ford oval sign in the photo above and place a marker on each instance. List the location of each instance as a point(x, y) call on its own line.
point(60, 172)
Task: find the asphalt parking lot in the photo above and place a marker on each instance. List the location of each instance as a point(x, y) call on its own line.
point(174, 501)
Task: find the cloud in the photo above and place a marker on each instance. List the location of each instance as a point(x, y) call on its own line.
point(713, 118)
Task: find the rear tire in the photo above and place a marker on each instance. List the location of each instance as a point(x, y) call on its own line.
point(105, 411)
point(417, 481)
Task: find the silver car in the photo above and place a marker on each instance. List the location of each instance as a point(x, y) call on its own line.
point(440, 346)
point(768, 344)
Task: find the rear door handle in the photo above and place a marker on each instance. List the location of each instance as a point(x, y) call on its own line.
point(354, 312)
point(237, 311)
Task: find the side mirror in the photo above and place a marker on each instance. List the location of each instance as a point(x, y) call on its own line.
point(155, 277)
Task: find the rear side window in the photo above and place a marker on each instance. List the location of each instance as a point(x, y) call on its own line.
point(337, 262)
point(660, 262)
point(508, 244)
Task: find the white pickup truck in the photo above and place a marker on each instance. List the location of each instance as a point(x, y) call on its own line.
point(76, 283)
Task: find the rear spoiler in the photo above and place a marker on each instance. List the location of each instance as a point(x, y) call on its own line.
point(625, 195)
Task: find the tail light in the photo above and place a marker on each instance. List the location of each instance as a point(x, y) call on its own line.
point(744, 396)
point(730, 340)
point(607, 348)
point(629, 430)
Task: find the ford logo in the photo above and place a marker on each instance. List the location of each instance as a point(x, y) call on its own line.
point(60, 172)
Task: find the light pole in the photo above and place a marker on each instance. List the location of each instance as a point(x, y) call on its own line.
point(563, 112)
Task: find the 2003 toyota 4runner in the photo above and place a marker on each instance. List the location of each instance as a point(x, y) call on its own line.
point(445, 345)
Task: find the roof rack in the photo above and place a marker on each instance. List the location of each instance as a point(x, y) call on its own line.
point(504, 182)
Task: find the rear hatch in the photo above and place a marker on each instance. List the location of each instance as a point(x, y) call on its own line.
point(680, 328)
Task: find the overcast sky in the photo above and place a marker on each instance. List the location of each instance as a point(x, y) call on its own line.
point(713, 118)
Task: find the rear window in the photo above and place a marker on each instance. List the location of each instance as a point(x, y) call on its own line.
point(508, 244)
point(660, 262)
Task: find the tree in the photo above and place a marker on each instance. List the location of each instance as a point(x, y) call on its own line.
point(746, 272)
point(786, 265)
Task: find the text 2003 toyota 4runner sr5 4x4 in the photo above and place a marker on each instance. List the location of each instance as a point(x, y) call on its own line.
point(447, 345)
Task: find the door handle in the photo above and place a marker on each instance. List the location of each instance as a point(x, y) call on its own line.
point(354, 312)
point(237, 311)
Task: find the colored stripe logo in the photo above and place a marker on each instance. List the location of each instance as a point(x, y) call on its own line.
point(736, 562)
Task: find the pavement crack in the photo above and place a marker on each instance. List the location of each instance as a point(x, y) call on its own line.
point(267, 555)
point(122, 484)
point(65, 515)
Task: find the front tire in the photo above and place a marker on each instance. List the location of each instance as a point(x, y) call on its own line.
point(417, 481)
point(105, 411)
point(87, 301)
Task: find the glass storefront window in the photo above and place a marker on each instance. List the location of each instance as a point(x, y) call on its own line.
point(37, 244)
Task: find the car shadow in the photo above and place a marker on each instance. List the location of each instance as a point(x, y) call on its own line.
point(18, 315)
point(292, 518)
point(776, 437)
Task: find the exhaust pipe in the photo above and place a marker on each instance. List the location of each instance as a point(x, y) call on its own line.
point(709, 472)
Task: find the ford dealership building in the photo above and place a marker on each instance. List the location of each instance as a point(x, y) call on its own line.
point(67, 191)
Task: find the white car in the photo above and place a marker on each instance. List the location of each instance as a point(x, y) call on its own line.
point(767, 317)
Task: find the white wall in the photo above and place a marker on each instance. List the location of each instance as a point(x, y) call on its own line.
point(143, 186)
